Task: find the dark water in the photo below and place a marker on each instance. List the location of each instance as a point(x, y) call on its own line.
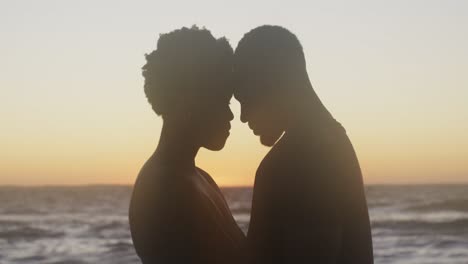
point(410, 224)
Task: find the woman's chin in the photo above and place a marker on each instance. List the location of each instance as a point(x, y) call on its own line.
point(217, 145)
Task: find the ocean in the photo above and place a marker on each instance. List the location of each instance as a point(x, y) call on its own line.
point(418, 224)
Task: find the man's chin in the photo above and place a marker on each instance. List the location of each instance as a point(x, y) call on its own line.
point(269, 140)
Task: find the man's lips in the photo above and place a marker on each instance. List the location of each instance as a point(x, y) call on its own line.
point(255, 131)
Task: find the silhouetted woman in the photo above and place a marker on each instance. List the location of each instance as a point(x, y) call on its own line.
point(177, 212)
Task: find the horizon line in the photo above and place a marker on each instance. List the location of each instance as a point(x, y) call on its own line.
point(221, 186)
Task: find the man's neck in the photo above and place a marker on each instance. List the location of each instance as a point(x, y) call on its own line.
point(311, 114)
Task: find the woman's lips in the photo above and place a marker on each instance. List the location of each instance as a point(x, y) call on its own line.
point(228, 128)
point(255, 131)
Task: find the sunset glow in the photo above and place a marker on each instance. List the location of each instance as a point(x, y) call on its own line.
point(73, 110)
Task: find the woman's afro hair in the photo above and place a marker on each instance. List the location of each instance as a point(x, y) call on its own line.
point(189, 66)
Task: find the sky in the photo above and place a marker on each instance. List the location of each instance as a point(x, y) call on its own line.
point(73, 110)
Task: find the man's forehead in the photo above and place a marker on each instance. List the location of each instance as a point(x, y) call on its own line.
point(248, 93)
point(258, 70)
point(249, 64)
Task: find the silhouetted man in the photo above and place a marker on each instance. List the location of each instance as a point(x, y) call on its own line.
point(309, 204)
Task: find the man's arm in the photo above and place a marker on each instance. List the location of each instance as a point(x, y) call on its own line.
point(357, 237)
point(328, 218)
point(263, 237)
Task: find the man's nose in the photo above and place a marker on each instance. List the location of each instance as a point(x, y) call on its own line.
point(243, 116)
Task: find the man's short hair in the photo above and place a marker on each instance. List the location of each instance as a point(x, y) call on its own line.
point(274, 46)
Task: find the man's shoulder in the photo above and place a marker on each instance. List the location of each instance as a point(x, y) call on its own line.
point(288, 152)
point(296, 155)
point(273, 158)
point(279, 163)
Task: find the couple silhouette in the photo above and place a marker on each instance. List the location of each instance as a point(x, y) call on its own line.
point(308, 202)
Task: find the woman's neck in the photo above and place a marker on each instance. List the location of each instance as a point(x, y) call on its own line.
point(176, 147)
